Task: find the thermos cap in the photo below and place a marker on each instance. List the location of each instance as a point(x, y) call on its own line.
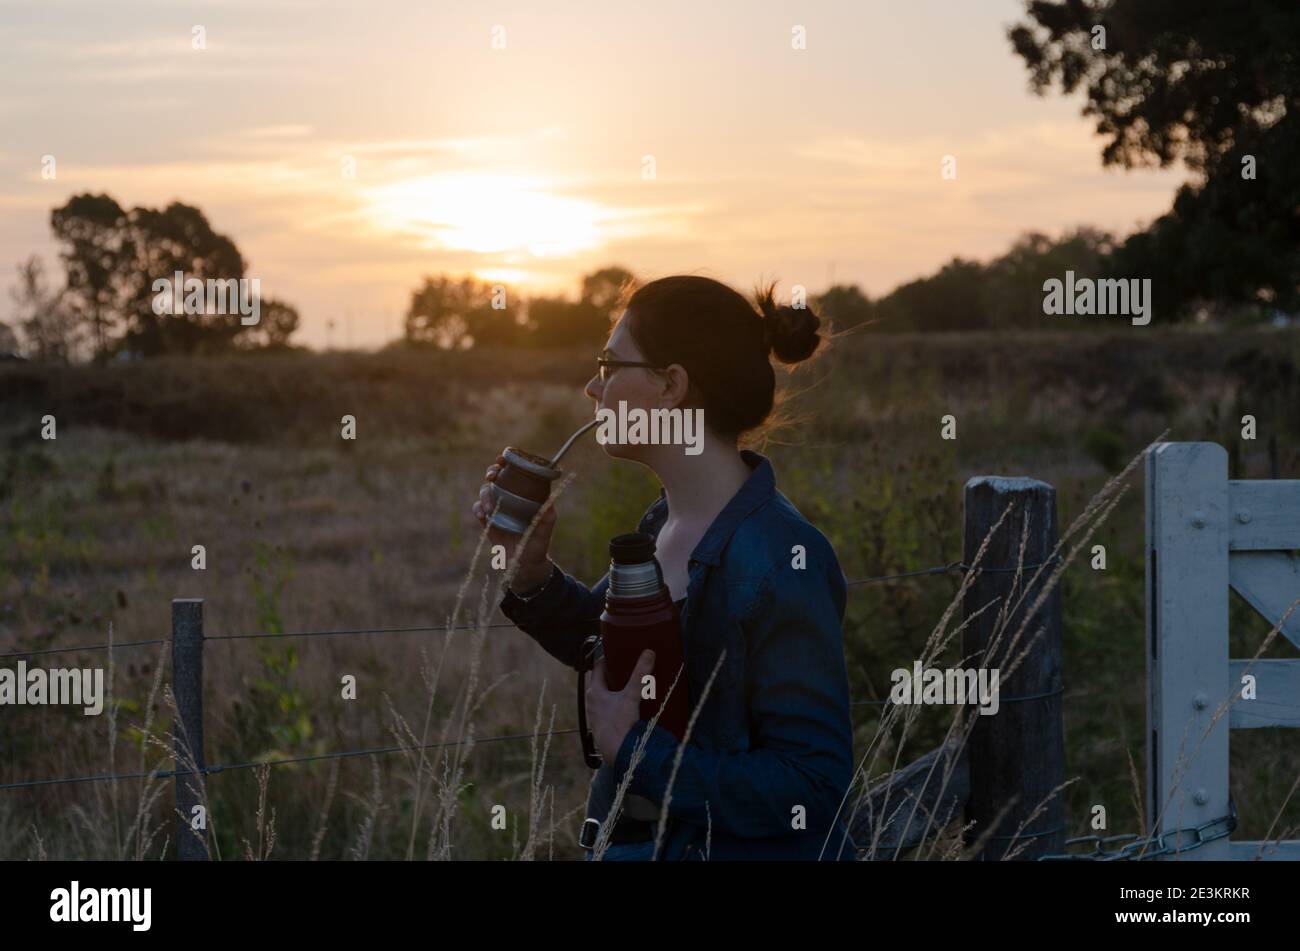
point(634, 548)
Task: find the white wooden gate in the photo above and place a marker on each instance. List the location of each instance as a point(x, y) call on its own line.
point(1204, 534)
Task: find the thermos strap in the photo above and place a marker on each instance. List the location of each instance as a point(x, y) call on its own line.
point(586, 660)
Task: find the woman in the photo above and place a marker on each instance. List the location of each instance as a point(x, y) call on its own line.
point(769, 760)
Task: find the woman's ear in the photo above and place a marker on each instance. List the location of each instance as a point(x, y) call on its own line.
point(676, 384)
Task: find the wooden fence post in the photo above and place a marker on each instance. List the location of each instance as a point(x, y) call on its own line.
point(187, 687)
point(1016, 756)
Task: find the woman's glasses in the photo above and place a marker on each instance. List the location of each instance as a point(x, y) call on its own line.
point(605, 366)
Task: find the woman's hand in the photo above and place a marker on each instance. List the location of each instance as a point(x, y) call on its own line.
point(611, 713)
point(533, 565)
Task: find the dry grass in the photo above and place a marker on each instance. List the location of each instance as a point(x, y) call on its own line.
point(304, 532)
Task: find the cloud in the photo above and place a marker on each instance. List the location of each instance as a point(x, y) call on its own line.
point(154, 57)
point(278, 132)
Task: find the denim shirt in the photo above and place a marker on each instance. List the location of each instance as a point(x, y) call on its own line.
point(774, 732)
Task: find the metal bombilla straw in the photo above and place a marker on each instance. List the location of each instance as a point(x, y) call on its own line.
point(570, 441)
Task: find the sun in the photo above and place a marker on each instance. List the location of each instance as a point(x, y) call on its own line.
point(487, 214)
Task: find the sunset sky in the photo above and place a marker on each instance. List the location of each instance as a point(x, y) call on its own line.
point(525, 164)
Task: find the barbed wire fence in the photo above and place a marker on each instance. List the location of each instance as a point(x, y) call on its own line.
point(977, 529)
point(362, 632)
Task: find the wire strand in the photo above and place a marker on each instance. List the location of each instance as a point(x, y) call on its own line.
point(361, 632)
point(365, 632)
point(210, 770)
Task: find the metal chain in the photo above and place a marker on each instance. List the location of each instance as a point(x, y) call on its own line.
point(1136, 846)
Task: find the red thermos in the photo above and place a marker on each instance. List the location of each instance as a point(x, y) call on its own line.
point(640, 614)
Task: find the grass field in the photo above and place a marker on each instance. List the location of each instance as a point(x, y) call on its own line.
point(306, 531)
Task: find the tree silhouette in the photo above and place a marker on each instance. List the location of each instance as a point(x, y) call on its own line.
point(452, 313)
point(112, 258)
point(43, 327)
point(1014, 292)
point(96, 246)
point(607, 289)
point(177, 238)
point(278, 322)
point(967, 295)
point(460, 313)
point(953, 299)
point(1212, 84)
point(558, 322)
point(844, 305)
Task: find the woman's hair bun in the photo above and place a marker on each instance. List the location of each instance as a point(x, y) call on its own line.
point(790, 332)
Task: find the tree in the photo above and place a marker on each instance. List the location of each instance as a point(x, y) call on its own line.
point(953, 299)
point(607, 289)
point(845, 306)
point(966, 295)
point(1014, 282)
point(1214, 85)
point(456, 314)
point(113, 257)
point(48, 330)
point(278, 322)
point(96, 245)
point(178, 238)
point(558, 322)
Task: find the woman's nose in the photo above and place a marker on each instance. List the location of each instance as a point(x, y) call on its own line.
point(594, 388)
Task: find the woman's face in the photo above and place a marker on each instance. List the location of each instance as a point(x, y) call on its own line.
point(638, 387)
